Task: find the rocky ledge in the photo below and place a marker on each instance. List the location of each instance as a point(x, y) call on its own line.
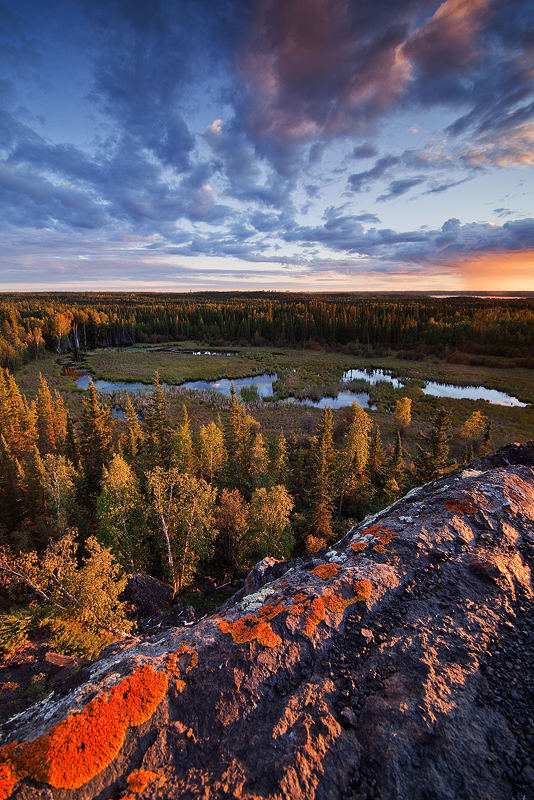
point(395, 664)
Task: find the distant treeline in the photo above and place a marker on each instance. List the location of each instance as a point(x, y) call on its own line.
point(475, 330)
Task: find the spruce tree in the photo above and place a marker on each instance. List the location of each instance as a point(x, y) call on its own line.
point(184, 455)
point(280, 460)
point(322, 480)
point(395, 472)
point(432, 457)
point(97, 427)
point(72, 449)
point(46, 429)
point(232, 522)
point(257, 463)
point(58, 476)
point(238, 434)
point(132, 440)
point(157, 451)
point(354, 454)
point(376, 460)
point(486, 439)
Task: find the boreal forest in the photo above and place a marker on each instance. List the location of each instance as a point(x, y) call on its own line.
point(167, 488)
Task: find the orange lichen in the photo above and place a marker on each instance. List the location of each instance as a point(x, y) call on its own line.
point(83, 744)
point(194, 656)
point(359, 546)
point(250, 628)
point(379, 548)
point(138, 781)
point(174, 667)
point(460, 506)
point(362, 589)
point(335, 603)
point(382, 533)
point(271, 610)
point(325, 571)
point(315, 616)
point(8, 780)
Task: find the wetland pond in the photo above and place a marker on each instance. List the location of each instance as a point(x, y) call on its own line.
point(472, 393)
point(264, 385)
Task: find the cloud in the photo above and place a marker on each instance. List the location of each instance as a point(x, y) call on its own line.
point(365, 150)
point(319, 68)
point(359, 180)
point(400, 187)
point(514, 148)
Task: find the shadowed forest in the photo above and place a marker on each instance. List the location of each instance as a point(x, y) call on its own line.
point(184, 486)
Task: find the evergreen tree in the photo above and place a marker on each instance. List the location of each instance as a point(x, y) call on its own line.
point(157, 451)
point(97, 426)
point(257, 462)
point(280, 460)
point(60, 422)
point(132, 440)
point(467, 455)
point(238, 432)
point(10, 486)
point(395, 472)
point(486, 439)
point(184, 455)
point(432, 456)
point(403, 411)
point(322, 480)
point(46, 428)
point(72, 451)
point(376, 460)
point(354, 453)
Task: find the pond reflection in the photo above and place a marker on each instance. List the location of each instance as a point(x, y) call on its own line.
point(371, 376)
point(472, 393)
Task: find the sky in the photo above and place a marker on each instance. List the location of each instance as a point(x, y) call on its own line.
point(299, 145)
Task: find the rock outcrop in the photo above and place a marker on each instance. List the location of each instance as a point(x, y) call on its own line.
point(397, 663)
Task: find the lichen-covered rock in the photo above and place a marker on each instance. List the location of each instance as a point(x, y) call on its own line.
point(395, 664)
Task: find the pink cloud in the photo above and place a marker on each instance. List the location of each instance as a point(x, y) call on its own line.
point(324, 67)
